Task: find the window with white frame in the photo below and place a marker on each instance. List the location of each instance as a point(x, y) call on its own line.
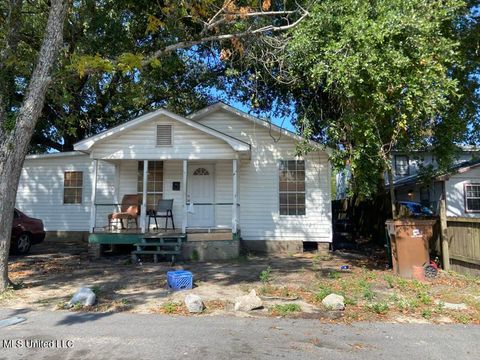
point(472, 197)
point(292, 187)
point(402, 165)
point(72, 187)
point(154, 182)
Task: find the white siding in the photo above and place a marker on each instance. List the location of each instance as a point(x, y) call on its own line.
point(454, 188)
point(258, 189)
point(417, 160)
point(40, 191)
point(139, 144)
point(41, 188)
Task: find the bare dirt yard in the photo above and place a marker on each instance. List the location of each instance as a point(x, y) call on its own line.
point(291, 286)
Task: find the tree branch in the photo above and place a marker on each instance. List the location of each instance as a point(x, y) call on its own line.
point(242, 34)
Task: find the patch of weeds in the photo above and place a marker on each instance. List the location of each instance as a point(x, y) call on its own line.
point(394, 297)
point(402, 284)
point(171, 307)
point(427, 314)
point(287, 292)
point(406, 304)
point(462, 318)
point(119, 305)
point(195, 255)
point(333, 274)
point(367, 291)
point(77, 306)
point(266, 275)
point(96, 290)
point(390, 280)
point(349, 300)
point(439, 307)
point(322, 293)
point(424, 298)
point(419, 286)
point(369, 275)
point(285, 309)
point(379, 308)
point(7, 294)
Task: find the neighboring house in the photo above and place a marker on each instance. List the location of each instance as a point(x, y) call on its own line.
point(460, 187)
point(226, 171)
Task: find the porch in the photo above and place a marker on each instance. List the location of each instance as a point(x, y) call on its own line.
point(205, 206)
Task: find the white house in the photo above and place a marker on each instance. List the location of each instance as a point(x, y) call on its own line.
point(227, 172)
point(460, 187)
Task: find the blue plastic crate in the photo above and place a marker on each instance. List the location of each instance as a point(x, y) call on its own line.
point(179, 280)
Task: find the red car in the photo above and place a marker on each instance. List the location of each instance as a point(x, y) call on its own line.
point(25, 232)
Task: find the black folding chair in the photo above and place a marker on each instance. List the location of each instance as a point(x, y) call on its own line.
point(163, 210)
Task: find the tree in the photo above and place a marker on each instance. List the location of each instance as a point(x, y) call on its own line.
point(369, 77)
point(14, 141)
point(160, 48)
point(176, 31)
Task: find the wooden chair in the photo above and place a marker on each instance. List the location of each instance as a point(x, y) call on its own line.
point(163, 210)
point(129, 210)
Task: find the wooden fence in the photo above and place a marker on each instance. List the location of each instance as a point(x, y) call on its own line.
point(463, 236)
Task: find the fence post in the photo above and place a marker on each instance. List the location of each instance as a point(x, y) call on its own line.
point(444, 235)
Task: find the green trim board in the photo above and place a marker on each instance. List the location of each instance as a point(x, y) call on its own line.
point(116, 239)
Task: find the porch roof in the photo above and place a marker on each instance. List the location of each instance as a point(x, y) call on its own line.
point(87, 144)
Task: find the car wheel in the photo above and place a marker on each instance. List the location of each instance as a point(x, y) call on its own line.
point(23, 244)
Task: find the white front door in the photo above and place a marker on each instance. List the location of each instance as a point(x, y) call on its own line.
point(201, 191)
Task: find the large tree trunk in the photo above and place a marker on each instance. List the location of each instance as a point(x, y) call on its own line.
point(14, 145)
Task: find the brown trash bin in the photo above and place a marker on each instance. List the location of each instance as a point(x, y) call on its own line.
point(409, 240)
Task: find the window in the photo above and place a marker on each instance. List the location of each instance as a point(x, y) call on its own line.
point(472, 198)
point(164, 135)
point(154, 182)
point(201, 172)
point(292, 187)
point(72, 187)
point(401, 165)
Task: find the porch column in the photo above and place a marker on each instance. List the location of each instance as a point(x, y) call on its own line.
point(116, 193)
point(93, 196)
point(184, 208)
point(235, 197)
point(143, 211)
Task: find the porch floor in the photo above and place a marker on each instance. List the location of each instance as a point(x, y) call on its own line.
point(133, 236)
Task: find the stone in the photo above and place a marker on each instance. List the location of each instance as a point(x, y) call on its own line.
point(248, 302)
point(83, 296)
point(334, 302)
point(194, 303)
point(452, 306)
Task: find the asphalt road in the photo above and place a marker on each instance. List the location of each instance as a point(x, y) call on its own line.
point(132, 336)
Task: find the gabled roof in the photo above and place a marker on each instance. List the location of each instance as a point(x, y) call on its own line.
point(86, 144)
point(198, 115)
point(459, 168)
point(54, 155)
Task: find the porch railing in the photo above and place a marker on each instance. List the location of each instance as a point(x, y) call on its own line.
point(102, 212)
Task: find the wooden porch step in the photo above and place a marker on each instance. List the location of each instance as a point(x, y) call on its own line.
point(157, 243)
point(153, 252)
point(164, 236)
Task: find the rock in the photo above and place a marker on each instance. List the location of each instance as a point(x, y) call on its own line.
point(84, 296)
point(334, 302)
point(248, 302)
point(451, 306)
point(194, 303)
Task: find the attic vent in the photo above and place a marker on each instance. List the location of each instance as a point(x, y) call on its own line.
point(164, 135)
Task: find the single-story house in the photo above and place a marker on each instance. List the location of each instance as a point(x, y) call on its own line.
point(460, 188)
point(227, 172)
